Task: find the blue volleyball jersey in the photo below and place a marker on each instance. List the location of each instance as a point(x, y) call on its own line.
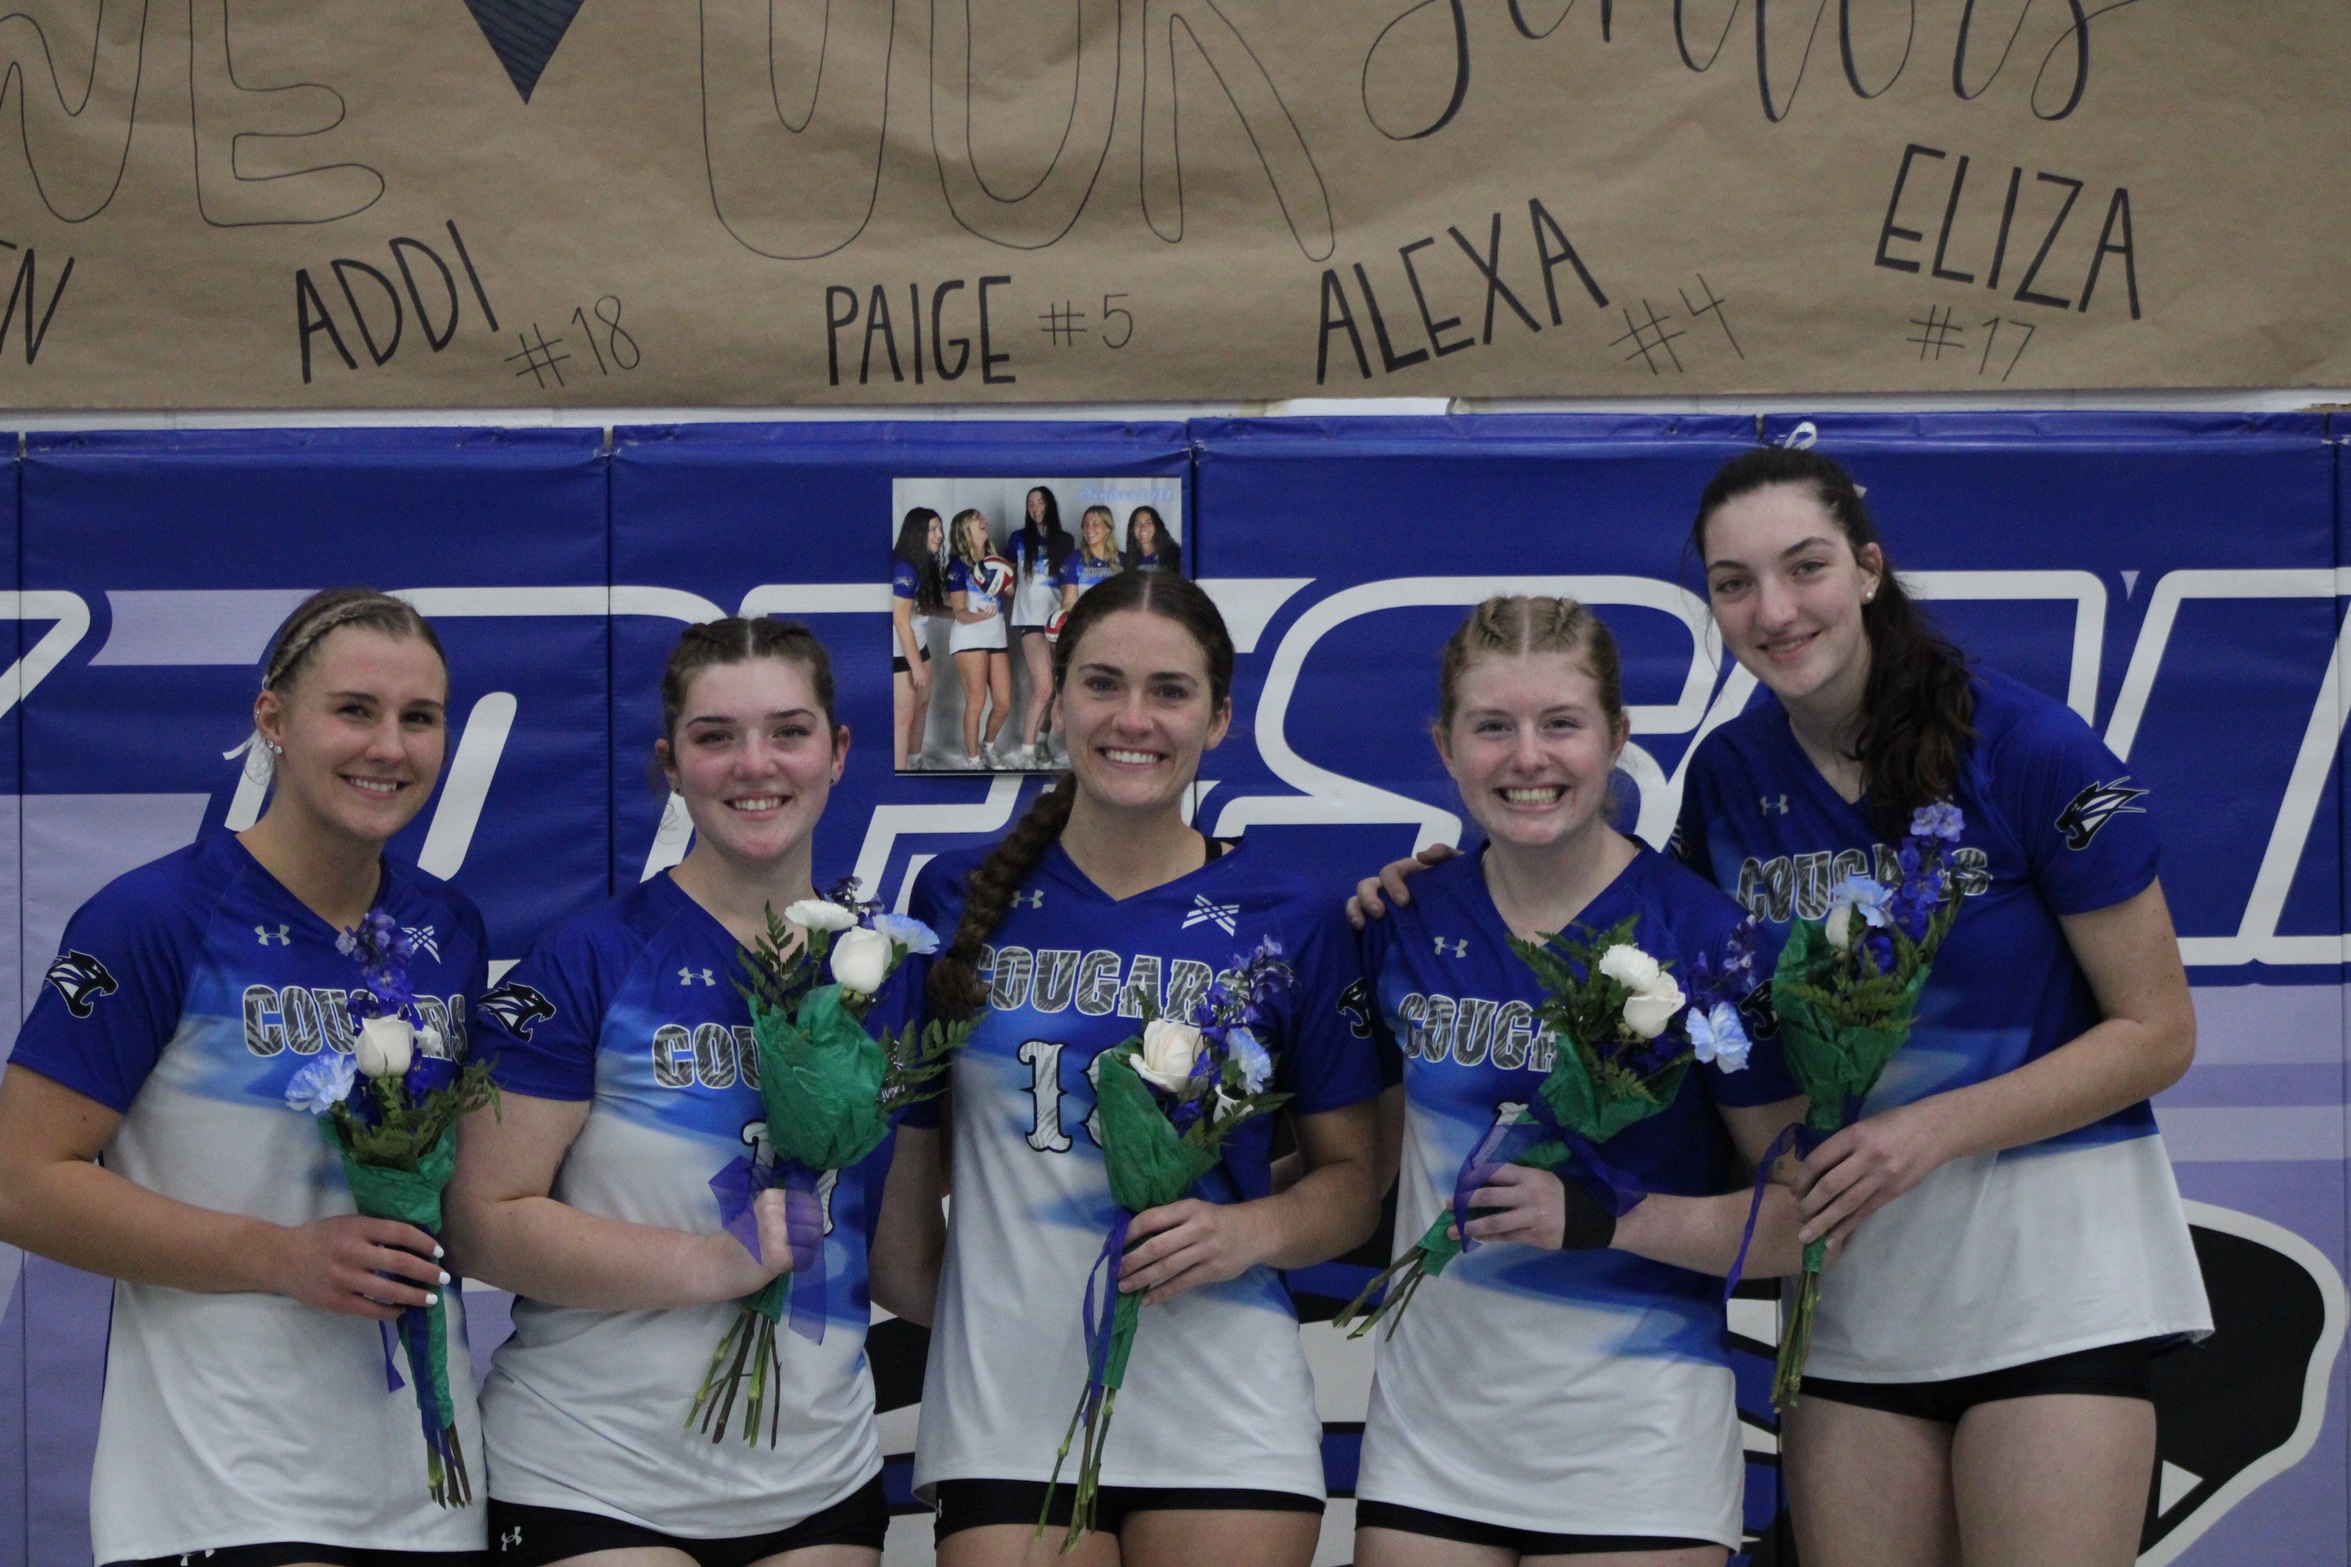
point(1218, 1393)
point(905, 580)
point(186, 995)
point(2040, 1250)
point(1569, 1392)
point(632, 1006)
point(1081, 571)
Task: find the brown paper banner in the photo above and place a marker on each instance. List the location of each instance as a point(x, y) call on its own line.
point(333, 203)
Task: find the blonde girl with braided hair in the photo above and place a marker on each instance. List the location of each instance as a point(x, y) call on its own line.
point(1560, 1394)
point(1101, 899)
point(145, 1134)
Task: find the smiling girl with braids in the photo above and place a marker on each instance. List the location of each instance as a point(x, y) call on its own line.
point(1101, 897)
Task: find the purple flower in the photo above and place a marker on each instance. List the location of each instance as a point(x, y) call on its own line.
point(1939, 820)
point(428, 1075)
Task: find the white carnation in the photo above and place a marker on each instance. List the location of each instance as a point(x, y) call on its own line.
point(1629, 967)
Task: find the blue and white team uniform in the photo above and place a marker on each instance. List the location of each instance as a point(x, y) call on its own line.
point(1081, 571)
point(1557, 1392)
point(971, 636)
point(1994, 1260)
point(632, 1007)
point(1037, 598)
point(1218, 1394)
point(187, 995)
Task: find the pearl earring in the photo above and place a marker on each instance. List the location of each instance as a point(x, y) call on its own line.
point(275, 749)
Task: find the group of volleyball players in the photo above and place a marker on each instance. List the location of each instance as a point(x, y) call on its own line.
point(993, 608)
point(2008, 1249)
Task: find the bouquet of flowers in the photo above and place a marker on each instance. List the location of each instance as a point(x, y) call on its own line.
point(831, 1091)
point(1166, 1100)
point(1625, 1035)
point(1846, 990)
point(387, 1101)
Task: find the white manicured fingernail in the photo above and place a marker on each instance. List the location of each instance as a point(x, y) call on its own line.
point(444, 1278)
point(438, 1254)
point(431, 1299)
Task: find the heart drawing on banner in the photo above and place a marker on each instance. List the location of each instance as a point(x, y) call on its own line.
point(524, 33)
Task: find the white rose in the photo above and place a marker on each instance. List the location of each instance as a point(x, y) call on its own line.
point(1649, 1009)
point(1840, 927)
point(861, 960)
point(1165, 1061)
point(819, 914)
point(385, 1047)
point(1629, 967)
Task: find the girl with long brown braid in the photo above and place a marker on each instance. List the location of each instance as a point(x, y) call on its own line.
point(1101, 903)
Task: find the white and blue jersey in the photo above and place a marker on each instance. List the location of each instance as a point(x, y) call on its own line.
point(1081, 571)
point(187, 995)
point(1566, 1392)
point(1993, 1260)
point(1218, 1392)
point(969, 636)
point(1037, 597)
point(905, 579)
point(632, 1007)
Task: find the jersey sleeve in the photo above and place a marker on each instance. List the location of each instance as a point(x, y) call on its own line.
point(539, 1026)
point(1359, 1004)
point(1688, 843)
point(904, 1000)
point(1327, 1061)
point(903, 582)
point(2084, 822)
point(112, 998)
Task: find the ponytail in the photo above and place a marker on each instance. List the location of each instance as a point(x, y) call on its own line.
point(1917, 708)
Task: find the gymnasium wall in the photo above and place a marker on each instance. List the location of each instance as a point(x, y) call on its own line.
point(2173, 576)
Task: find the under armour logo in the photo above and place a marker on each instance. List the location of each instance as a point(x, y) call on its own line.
point(283, 935)
point(686, 976)
point(1460, 947)
point(1203, 912)
point(511, 1539)
point(1035, 900)
point(422, 935)
point(1775, 804)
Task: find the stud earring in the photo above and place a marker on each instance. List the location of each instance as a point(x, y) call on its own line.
point(275, 749)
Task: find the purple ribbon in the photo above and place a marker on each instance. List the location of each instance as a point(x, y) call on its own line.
point(737, 1185)
point(804, 1233)
point(1100, 1315)
point(1613, 1189)
point(392, 1379)
point(734, 1187)
point(1794, 1136)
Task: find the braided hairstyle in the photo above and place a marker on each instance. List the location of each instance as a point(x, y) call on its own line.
point(330, 610)
point(736, 640)
point(1917, 708)
point(304, 632)
point(1509, 626)
point(955, 988)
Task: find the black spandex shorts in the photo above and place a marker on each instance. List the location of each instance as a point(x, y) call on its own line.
point(976, 1504)
point(281, 1553)
point(2110, 1371)
point(522, 1536)
point(899, 666)
point(1501, 1537)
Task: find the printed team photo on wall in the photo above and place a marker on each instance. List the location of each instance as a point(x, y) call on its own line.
point(982, 571)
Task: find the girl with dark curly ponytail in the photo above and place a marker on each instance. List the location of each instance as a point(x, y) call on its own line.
point(1101, 903)
point(2014, 1248)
